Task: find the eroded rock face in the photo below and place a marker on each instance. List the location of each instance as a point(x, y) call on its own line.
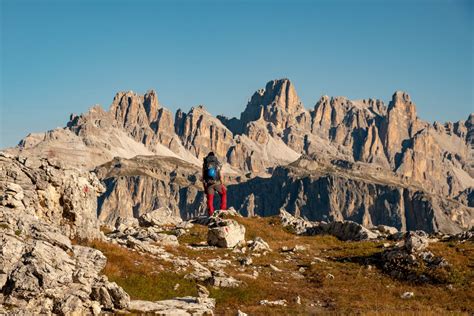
point(335, 191)
point(144, 184)
point(201, 133)
point(313, 188)
point(64, 197)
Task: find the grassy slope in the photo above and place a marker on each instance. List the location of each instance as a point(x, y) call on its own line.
point(356, 288)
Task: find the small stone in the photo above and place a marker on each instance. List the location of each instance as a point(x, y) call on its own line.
point(274, 268)
point(407, 295)
point(298, 300)
point(203, 292)
point(246, 261)
point(259, 245)
point(317, 259)
point(299, 248)
point(273, 303)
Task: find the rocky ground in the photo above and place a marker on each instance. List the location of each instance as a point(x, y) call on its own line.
point(262, 265)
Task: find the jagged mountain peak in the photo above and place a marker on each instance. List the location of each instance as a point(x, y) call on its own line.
point(402, 100)
point(281, 93)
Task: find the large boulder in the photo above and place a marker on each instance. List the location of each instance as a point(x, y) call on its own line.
point(225, 233)
point(349, 230)
point(298, 225)
point(159, 217)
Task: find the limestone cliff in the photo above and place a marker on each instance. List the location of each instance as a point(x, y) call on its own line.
point(315, 188)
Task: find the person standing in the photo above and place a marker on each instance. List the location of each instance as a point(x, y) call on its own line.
point(213, 182)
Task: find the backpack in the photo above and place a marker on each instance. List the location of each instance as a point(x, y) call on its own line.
point(211, 169)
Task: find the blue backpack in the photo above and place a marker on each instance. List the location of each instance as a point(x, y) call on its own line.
point(211, 168)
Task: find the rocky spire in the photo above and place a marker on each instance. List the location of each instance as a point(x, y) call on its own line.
point(399, 125)
point(278, 103)
point(151, 105)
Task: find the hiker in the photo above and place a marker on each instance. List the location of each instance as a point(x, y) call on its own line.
point(212, 180)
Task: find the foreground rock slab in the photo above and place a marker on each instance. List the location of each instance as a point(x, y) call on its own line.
point(178, 306)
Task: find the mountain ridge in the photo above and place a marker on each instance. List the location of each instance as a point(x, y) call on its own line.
point(275, 130)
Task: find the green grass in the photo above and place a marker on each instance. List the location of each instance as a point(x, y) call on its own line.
point(155, 287)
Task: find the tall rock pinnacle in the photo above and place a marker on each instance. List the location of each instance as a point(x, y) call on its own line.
point(400, 125)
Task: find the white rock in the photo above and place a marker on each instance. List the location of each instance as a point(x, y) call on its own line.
point(259, 245)
point(389, 230)
point(178, 306)
point(225, 233)
point(274, 303)
point(330, 276)
point(407, 295)
point(160, 217)
point(274, 268)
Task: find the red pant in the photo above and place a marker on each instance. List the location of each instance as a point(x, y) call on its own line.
point(210, 189)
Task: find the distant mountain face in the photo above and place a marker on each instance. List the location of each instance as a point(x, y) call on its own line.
point(275, 129)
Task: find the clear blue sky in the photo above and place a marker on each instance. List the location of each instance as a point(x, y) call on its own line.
point(61, 57)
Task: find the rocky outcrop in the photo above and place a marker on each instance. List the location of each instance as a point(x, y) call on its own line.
point(159, 217)
point(63, 197)
point(413, 262)
point(41, 272)
point(344, 230)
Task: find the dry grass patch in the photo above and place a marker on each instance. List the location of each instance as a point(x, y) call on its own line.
point(141, 276)
point(355, 288)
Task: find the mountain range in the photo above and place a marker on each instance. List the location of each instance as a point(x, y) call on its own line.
point(342, 159)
